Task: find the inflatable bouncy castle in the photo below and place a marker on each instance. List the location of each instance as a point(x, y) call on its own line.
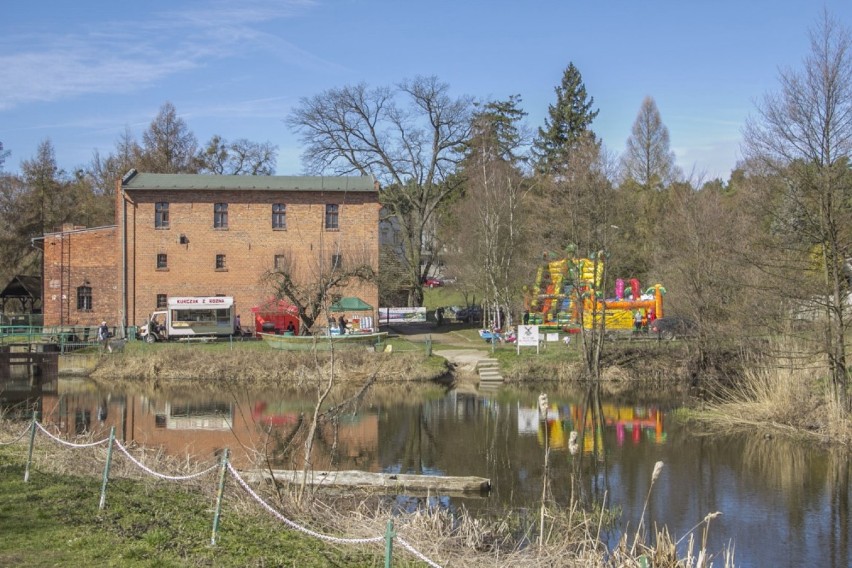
point(568, 294)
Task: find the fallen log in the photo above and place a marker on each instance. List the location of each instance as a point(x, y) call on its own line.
point(400, 483)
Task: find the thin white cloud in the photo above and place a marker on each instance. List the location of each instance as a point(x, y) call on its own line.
point(270, 107)
point(91, 59)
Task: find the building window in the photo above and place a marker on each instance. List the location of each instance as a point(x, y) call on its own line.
point(220, 262)
point(331, 217)
point(280, 261)
point(161, 215)
point(162, 301)
point(84, 299)
point(279, 216)
point(162, 261)
point(220, 216)
point(336, 261)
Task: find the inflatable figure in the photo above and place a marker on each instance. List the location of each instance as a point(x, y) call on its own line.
point(619, 288)
point(634, 287)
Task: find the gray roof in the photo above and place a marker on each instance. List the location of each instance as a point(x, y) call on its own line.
point(135, 181)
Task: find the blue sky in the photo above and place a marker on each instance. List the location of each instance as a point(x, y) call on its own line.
point(79, 73)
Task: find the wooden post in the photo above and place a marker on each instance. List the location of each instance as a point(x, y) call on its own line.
point(106, 467)
point(32, 443)
point(219, 494)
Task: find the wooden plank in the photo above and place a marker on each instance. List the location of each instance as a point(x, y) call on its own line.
point(378, 482)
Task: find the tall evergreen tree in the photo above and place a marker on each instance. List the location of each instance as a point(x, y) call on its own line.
point(568, 120)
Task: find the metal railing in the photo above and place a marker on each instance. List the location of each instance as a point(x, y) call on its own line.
point(63, 339)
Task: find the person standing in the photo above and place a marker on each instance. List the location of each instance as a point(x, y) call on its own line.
point(342, 324)
point(637, 321)
point(103, 336)
point(439, 316)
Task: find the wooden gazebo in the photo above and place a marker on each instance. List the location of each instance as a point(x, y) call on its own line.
point(26, 290)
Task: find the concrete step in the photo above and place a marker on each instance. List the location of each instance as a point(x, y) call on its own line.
point(487, 363)
point(490, 378)
point(489, 374)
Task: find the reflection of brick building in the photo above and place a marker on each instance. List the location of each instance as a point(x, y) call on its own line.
point(199, 235)
point(202, 427)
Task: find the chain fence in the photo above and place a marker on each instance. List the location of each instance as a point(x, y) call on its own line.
point(388, 538)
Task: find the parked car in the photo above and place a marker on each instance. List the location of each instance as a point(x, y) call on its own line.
point(432, 282)
point(469, 314)
point(673, 327)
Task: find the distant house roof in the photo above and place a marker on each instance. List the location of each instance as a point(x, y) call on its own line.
point(141, 181)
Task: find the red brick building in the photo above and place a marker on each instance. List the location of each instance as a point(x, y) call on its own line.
point(203, 235)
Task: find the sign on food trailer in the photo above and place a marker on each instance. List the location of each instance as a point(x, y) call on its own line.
point(527, 337)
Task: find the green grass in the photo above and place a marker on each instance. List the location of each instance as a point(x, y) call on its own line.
point(54, 520)
point(448, 295)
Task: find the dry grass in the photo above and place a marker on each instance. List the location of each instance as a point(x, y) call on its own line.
point(571, 539)
point(176, 364)
point(788, 395)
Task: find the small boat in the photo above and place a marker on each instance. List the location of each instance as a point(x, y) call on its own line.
point(324, 342)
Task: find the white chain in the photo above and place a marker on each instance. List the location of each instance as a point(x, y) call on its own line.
point(245, 486)
point(69, 444)
point(161, 475)
point(416, 553)
point(294, 525)
point(21, 435)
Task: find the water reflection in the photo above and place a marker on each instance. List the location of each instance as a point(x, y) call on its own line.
point(783, 503)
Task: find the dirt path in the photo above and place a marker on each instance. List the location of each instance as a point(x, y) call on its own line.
point(459, 350)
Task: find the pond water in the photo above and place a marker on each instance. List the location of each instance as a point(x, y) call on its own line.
point(783, 503)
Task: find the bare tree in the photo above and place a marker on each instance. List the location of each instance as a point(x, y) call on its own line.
point(241, 157)
point(105, 171)
point(312, 284)
point(168, 146)
point(583, 194)
point(648, 159)
point(803, 134)
point(3, 155)
point(405, 137)
point(489, 228)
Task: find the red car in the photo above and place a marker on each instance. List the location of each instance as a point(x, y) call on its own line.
point(432, 282)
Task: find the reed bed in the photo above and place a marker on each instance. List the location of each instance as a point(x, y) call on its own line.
point(788, 394)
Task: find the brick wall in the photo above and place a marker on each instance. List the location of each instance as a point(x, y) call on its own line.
point(249, 244)
point(89, 259)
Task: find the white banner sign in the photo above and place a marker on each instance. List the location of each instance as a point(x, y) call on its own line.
point(402, 315)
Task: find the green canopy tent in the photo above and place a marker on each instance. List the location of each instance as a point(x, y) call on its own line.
point(352, 304)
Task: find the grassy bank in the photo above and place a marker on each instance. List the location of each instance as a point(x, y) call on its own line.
point(254, 362)
point(54, 520)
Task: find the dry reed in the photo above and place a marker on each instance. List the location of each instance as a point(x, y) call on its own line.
point(451, 538)
point(784, 395)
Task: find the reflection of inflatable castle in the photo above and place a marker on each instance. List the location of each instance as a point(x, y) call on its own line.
point(567, 295)
point(629, 423)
